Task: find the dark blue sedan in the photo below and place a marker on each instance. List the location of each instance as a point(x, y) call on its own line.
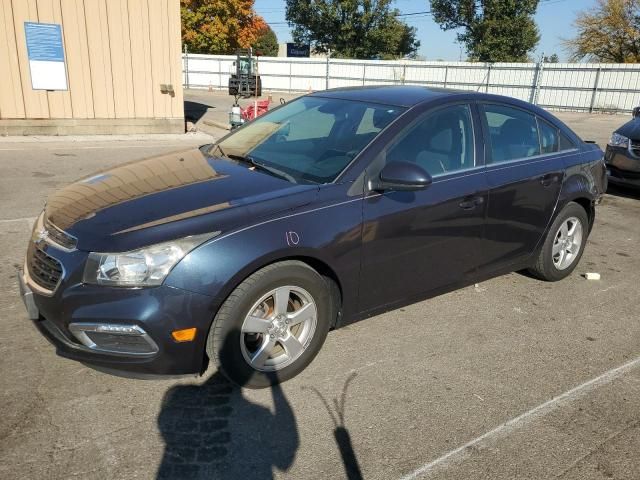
point(331, 208)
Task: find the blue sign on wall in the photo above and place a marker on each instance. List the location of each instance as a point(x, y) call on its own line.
point(44, 41)
point(46, 56)
point(294, 50)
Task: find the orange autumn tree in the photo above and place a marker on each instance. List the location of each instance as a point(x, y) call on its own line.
point(220, 26)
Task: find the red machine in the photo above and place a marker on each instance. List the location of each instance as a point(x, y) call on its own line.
point(238, 116)
point(254, 110)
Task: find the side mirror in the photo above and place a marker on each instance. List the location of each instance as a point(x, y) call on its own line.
point(403, 176)
point(636, 112)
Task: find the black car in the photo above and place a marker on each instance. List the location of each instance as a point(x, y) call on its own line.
point(329, 209)
point(622, 155)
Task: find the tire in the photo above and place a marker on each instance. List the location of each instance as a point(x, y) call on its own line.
point(557, 260)
point(237, 338)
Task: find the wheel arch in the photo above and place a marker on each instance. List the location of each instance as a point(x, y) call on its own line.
point(577, 188)
point(314, 261)
point(321, 266)
point(584, 201)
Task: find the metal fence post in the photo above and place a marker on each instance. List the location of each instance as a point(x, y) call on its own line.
point(364, 72)
point(446, 75)
point(488, 79)
point(535, 88)
point(595, 90)
point(290, 74)
point(220, 73)
point(327, 77)
point(186, 66)
point(404, 73)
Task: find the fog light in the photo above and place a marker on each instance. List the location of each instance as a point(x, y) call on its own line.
point(184, 335)
point(122, 329)
point(114, 338)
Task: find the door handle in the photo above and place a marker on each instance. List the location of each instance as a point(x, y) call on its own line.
point(471, 202)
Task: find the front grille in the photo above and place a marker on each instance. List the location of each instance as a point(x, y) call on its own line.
point(60, 237)
point(635, 147)
point(44, 270)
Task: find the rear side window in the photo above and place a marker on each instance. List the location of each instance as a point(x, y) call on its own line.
point(549, 142)
point(513, 133)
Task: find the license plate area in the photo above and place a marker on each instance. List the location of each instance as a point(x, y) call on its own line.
point(27, 298)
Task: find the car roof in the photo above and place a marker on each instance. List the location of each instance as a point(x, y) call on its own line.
point(398, 95)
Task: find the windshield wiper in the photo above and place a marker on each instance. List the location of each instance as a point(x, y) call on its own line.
point(260, 166)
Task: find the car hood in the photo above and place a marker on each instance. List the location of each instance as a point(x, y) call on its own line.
point(631, 129)
point(167, 197)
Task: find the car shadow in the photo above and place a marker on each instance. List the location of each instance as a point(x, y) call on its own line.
point(621, 191)
point(212, 431)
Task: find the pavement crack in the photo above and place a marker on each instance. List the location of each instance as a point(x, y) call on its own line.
point(598, 447)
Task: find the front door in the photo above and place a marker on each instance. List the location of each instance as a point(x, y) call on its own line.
point(419, 241)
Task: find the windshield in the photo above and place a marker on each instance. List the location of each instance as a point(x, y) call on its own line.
point(311, 139)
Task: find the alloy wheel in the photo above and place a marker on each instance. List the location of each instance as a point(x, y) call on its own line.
point(278, 328)
point(567, 243)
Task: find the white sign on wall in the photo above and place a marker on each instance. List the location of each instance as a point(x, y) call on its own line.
point(46, 56)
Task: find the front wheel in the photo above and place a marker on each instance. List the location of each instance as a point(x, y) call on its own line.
point(564, 244)
point(272, 325)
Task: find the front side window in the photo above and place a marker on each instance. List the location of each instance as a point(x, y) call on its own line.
point(513, 133)
point(311, 139)
point(440, 142)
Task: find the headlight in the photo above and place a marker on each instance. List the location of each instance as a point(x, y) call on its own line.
point(618, 140)
point(140, 268)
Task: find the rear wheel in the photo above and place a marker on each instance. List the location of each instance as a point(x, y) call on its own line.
point(564, 244)
point(272, 325)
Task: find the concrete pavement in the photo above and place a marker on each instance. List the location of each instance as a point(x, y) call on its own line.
point(512, 378)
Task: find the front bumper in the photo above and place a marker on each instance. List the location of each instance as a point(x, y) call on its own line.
point(70, 318)
point(623, 167)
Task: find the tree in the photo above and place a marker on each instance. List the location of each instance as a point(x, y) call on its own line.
point(610, 32)
point(351, 28)
point(494, 30)
point(266, 43)
point(553, 58)
point(219, 26)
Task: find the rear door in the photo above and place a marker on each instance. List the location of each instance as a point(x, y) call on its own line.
point(419, 241)
point(524, 173)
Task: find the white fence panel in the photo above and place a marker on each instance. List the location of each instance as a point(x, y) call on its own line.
point(562, 86)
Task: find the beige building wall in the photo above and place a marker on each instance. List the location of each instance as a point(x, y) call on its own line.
point(118, 53)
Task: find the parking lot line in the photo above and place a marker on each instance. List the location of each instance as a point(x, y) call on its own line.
point(523, 419)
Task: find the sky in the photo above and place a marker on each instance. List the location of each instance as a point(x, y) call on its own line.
point(554, 19)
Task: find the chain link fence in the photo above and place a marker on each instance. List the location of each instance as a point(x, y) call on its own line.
point(588, 87)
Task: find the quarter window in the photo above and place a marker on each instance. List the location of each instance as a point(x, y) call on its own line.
point(513, 133)
point(565, 143)
point(548, 137)
point(440, 142)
